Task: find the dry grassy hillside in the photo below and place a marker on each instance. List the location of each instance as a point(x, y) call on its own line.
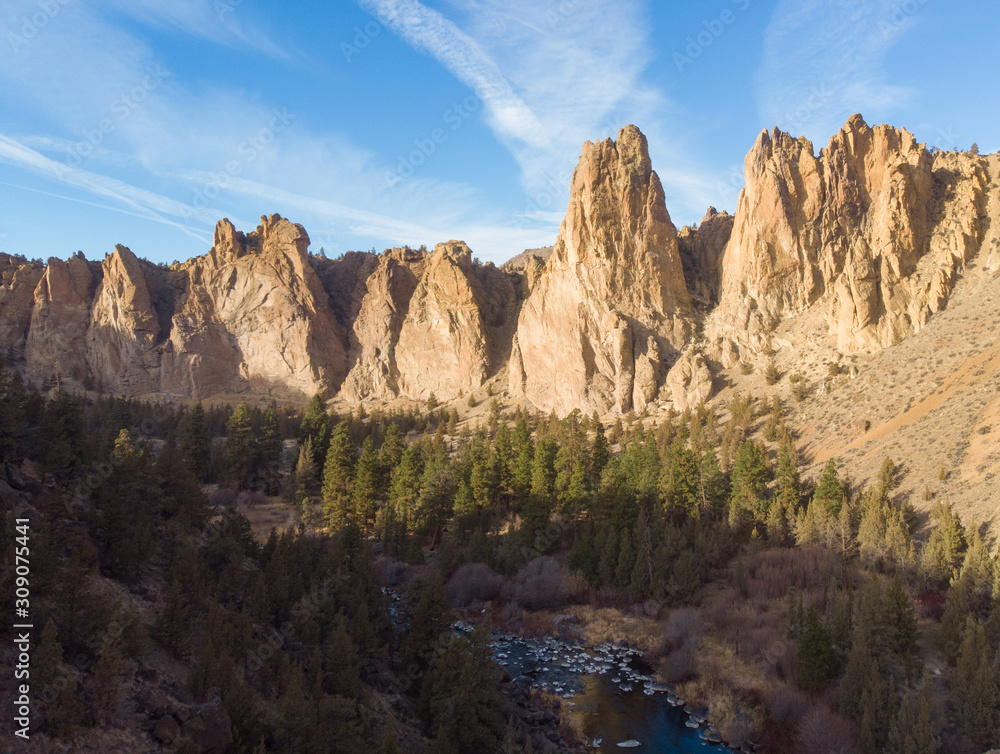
point(931, 402)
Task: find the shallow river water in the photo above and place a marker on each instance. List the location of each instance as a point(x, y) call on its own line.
point(610, 691)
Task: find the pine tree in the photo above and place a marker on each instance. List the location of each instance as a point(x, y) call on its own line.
point(270, 451)
point(61, 436)
point(111, 668)
point(902, 618)
point(390, 742)
point(390, 453)
point(713, 485)
point(240, 449)
point(685, 577)
point(195, 444)
point(608, 560)
point(461, 698)
point(642, 572)
point(599, 453)
point(366, 485)
point(815, 659)
point(680, 481)
point(787, 489)
point(341, 663)
point(316, 425)
point(404, 490)
point(980, 699)
point(429, 618)
point(626, 562)
point(503, 462)
point(171, 626)
point(749, 483)
point(524, 464)
point(829, 491)
point(543, 472)
point(306, 475)
point(338, 473)
point(437, 486)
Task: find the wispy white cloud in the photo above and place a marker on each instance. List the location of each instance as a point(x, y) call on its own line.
point(139, 201)
point(576, 66)
point(432, 33)
point(495, 240)
point(823, 60)
point(232, 23)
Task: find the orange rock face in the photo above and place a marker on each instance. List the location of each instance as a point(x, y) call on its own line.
point(610, 308)
point(874, 229)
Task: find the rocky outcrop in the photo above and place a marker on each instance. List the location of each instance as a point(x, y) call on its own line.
point(866, 240)
point(689, 382)
point(56, 342)
point(875, 227)
point(254, 316)
point(124, 330)
point(18, 280)
point(375, 328)
point(610, 307)
point(443, 345)
point(701, 249)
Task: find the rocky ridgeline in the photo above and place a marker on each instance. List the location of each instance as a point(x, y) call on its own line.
point(873, 233)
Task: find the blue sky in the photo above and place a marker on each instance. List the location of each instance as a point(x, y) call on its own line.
point(381, 123)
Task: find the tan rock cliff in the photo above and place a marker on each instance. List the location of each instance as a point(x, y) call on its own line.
point(876, 227)
point(610, 307)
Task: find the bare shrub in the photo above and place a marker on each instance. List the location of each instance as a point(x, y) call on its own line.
point(223, 498)
point(720, 614)
point(683, 626)
point(250, 498)
point(680, 664)
point(542, 584)
point(771, 573)
point(578, 589)
point(762, 643)
point(473, 582)
point(681, 638)
point(787, 707)
point(511, 611)
point(823, 732)
point(393, 572)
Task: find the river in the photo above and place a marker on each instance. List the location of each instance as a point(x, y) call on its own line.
point(609, 692)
